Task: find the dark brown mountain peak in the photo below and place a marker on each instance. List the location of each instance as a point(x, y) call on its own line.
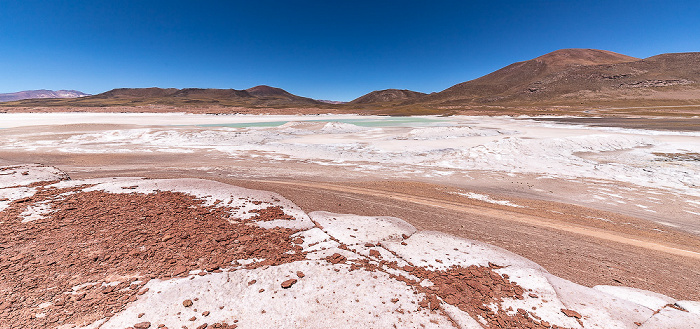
point(387, 95)
point(576, 56)
point(264, 90)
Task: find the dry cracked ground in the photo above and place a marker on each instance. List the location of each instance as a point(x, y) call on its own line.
point(192, 253)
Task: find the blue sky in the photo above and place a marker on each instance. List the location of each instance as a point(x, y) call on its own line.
point(334, 50)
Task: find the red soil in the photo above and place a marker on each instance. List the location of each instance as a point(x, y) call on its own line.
point(128, 239)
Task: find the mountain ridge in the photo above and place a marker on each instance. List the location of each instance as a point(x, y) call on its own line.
point(40, 93)
point(576, 79)
point(387, 95)
point(570, 75)
point(258, 96)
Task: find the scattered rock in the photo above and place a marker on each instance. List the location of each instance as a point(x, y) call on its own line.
point(336, 258)
point(287, 284)
point(142, 325)
point(571, 313)
point(187, 303)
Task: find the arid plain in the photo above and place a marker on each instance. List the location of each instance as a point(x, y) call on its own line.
point(317, 215)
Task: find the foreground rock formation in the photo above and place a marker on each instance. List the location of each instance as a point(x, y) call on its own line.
point(142, 253)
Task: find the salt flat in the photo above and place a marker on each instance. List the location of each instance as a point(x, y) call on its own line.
point(650, 174)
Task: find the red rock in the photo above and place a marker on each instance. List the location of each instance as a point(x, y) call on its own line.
point(204, 326)
point(142, 325)
point(571, 313)
point(193, 318)
point(404, 236)
point(374, 253)
point(187, 303)
point(287, 284)
point(336, 258)
point(300, 274)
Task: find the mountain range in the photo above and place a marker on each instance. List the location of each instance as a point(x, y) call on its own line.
point(259, 96)
point(565, 78)
point(42, 93)
point(581, 76)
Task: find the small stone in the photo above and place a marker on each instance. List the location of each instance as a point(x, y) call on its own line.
point(571, 313)
point(193, 318)
point(187, 303)
point(300, 274)
point(287, 284)
point(204, 326)
point(336, 258)
point(205, 313)
point(374, 253)
point(142, 325)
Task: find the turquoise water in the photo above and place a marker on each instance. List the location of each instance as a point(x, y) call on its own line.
point(247, 124)
point(373, 122)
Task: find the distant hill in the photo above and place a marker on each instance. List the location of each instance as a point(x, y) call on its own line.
point(330, 102)
point(386, 95)
point(580, 76)
point(42, 93)
point(260, 96)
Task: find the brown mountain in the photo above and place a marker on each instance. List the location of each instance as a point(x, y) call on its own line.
point(260, 96)
point(387, 95)
point(580, 76)
point(271, 93)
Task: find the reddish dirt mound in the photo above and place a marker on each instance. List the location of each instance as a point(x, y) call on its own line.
point(268, 214)
point(472, 289)
point(110, 245)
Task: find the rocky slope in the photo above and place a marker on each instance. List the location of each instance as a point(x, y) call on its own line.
point(387, 95)
point(140, 253)
point(574, 76)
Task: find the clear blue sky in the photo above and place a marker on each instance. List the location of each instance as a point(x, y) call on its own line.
point(328, 49)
